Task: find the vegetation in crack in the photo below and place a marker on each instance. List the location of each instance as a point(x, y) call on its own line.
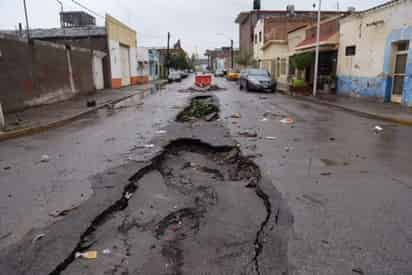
point(201, 107)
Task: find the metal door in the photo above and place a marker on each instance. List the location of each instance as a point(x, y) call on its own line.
point(98, 72)
point(399, 72)
point(125, 65)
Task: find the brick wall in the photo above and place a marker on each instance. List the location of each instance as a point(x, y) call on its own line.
point(38, 73)
point(98, 43)
point(277, 28)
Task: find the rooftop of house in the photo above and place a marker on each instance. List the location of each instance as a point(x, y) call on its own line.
point(244, 15)
point(62, 32)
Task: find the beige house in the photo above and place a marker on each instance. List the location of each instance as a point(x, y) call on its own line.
point(271, 48)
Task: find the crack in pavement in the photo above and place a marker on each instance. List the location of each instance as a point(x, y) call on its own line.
point(196, 170)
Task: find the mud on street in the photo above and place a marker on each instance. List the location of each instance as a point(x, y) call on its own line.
point(199, 206)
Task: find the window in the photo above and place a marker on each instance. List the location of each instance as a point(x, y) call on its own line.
point(260, 36)
point(403, 46)
point(256, 40)
point(350, 51)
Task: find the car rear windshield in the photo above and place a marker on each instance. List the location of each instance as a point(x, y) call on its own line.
point(256, 72)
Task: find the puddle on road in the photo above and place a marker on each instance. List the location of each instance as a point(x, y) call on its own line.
point(138, 99)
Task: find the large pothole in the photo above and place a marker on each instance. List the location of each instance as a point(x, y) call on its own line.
point(192, 214)
point(200, 108)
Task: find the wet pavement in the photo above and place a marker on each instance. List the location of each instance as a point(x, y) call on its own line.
point(242, 193)
point(348, 186)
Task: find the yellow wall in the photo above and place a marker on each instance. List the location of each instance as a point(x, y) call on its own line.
point(118, 31)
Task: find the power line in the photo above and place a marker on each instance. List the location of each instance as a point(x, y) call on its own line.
point(86, 8)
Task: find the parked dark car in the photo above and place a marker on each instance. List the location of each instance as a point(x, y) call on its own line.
point(257, 80)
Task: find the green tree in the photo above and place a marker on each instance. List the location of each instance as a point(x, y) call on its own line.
point(179, 61)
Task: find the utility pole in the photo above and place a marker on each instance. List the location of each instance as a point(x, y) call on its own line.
point(27, 20)
point(231, 52)
point(61, 11)
point(168, 56)
point(315, 77)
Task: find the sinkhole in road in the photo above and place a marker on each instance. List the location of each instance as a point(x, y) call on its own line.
point(194, 178)
point(201, 108)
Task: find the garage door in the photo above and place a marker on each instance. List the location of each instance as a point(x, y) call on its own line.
point(125, 65)
point(98, 72)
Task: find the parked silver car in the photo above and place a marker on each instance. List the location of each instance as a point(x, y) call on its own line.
point(257, 80)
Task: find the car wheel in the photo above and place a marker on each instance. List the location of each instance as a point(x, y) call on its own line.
point(247, 86)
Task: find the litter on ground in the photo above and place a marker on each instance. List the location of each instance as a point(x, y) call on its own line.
point(287, 120)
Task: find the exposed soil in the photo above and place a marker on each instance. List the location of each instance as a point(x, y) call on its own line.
point(201, 107)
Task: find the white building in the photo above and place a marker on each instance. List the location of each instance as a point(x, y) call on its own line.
point(143, 66)
point(375, 57)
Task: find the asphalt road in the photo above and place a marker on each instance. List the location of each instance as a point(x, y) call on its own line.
point(325, 195)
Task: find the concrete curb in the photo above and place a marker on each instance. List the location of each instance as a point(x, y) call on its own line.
point(407, 122)
point(59, 123)
point(55, 124)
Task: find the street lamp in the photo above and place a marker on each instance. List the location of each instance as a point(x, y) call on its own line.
point(231, 48)
point(315, 78)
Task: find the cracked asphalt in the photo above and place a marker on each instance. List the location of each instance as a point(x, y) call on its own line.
point(240, 193)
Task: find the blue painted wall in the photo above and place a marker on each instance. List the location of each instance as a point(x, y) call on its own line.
point(362, 86)
point(381, 87)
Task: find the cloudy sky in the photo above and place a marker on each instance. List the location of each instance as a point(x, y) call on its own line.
point(196, 22)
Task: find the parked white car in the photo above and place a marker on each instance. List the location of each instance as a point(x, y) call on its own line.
point(175, 76)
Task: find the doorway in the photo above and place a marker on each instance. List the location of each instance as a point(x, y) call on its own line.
point(125, 65)
point(400, 60)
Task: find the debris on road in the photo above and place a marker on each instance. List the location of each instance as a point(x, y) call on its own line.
point(377, 129)
point(195, 89)
point(149, 146)
point(5, 236)
point(212, 116)
point(358, 271)
point(200, 108)
point(106, 251)
point(62, 213)
point(249, 134)
point(327, 174)
point(128, 196)
point(90, 255)
point(38, 237)
point(271, 138)
point(236, 115)
point(264, 119)
point(45, 159)
point(7, 168)
point(161, 132)
point(272, 115)
point(287, 120)
point(110, 139)
point(91, 103)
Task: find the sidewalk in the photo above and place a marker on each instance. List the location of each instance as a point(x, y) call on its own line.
point(361, 106)
point(42, 118)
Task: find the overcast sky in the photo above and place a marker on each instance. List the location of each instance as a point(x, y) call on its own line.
point(195, 22)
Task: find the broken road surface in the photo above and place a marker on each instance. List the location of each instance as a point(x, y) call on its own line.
point(198, 206)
